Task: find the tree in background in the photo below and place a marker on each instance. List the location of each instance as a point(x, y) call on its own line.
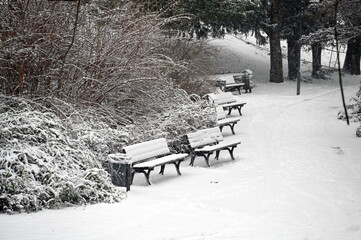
point(321, 19)
point(274, 34)
point(350, 12)
point(292, 30)
point(215, 18)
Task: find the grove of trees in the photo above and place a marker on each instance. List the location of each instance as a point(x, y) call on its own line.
point(304, 22)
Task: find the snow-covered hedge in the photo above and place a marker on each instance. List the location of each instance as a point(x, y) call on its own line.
point(51, 162)
point(174, 124)
point(46, 162)
point(354, 111)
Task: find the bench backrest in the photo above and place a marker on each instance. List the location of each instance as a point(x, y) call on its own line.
point(221, 114)
point(223, 98)
point(204, 137)
point(227, 80)
point(146, 150)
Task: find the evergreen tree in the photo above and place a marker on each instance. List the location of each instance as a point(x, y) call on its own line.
point(218, 17)
point(292, 24)
point(350, 12)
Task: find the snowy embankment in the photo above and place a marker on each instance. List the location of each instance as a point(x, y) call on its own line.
point(296, 176)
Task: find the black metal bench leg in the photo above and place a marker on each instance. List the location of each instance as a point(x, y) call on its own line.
point(206, 157)
point(177, 165)
point(232, 128)
point(162, 169)
point(229, 111)
point(220, 128)
point(231, 152)
point(146, 174)
point(239, 110)
point(217, 154)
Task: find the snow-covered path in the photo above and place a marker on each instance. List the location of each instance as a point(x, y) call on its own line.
point(296, 176)
point(311, 174)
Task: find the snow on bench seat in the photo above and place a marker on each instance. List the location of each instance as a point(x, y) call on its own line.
point(230, 85)
point(146, 156)
point(226, 100)
point(160, 161)
point(219, 146)
point(207, 141)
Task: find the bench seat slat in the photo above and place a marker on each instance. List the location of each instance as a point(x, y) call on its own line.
point(226, 121)
point(160, 161)
point(233, 104)
point(219, 146)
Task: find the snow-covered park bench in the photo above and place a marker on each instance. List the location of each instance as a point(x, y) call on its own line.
point(230, 85)
point(207, 141)
point(146, 156)
point(226, 100)
point(222, 119)
point(245, 78)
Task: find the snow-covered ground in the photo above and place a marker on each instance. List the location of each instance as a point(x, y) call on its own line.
point(297, 176)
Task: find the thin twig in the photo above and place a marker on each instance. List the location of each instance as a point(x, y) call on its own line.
point(339, 65)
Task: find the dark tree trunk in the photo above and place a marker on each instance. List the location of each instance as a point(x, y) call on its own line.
point(353, 55)
point(276, 72)
point(294, 59)
point(316, 59)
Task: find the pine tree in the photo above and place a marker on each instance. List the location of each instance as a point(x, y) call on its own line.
point(351, 15)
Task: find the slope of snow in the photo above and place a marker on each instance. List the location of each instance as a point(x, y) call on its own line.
point(297, 175)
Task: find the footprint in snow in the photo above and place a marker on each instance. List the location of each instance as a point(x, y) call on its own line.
point(338, 150)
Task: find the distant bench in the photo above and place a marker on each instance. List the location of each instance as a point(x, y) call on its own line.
point(146, 156)
point(226, 100)
point(248, 85)
point(207, 141)
point(230, 85)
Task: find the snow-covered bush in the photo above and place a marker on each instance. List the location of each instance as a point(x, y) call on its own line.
point(358, 131)
point(46, 162)
point(174, 124)
point(353, 108)
point(354, 111)
point(194, 65)
point(103, 52)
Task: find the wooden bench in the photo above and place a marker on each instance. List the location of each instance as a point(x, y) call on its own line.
point(227, 101)
point(230, 85)
point(146, 156)
point(248, 85)
point(222, 119)
point(207, 141)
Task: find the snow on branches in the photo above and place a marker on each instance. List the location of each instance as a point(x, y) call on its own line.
point(174, 122)
point(43, 164)
point(354, 110)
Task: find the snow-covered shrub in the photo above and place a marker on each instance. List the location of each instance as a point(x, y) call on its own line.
point(354, 111)
point(353, 108)
point(115, 54)
point(46, 162)
point(174, 124)
point(358, 131)
point(194, 64)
